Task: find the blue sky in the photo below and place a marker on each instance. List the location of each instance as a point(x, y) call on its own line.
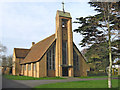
point(21, 23)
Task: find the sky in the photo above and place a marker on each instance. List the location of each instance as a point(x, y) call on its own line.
point(22, 23)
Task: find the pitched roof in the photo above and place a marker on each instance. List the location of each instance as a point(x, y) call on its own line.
point(38, 50)
point(21, 52)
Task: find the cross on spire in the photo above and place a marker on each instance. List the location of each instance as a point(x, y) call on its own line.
point(63, 6)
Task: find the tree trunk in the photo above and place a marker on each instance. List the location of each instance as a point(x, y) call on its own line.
point(110, 60)
point(110, 52)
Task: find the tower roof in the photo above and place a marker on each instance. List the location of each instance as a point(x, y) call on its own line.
point(64, 14)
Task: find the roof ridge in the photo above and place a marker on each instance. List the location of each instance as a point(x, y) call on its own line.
point(43, 40)
point(22, 48)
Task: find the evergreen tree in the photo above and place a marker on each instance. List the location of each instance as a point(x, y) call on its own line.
point(101, 27)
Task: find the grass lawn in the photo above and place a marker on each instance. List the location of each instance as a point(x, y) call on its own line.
point(97, 77)
point(12, 77)
point(81, 84)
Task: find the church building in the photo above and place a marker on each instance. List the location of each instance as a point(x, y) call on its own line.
point(55, 56)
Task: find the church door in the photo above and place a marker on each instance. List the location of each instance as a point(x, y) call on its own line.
point(64, 71)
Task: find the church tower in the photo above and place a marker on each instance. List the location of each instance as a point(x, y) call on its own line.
point(64, 44)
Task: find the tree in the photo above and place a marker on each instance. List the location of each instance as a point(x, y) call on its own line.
point(98, 56)
point(4, 61)
point(111, 23)
point(100, 27)
point(116, 49)
point(2, 51)
point(9, 60)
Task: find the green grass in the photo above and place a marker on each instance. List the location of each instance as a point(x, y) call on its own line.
point(12, 77)
point(96, 77)
point(81, 84)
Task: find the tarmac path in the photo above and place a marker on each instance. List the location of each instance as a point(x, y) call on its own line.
point(32, 83)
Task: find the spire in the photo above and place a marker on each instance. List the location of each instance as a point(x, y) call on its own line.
point(63, 7)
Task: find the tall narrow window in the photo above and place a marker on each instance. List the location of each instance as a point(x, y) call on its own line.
point(29, 66)
point(51, 58)
point(64, 52)
point(21, 67)
point(34, 66)
point(75, 60)
point(47, 60)
point(24, 67)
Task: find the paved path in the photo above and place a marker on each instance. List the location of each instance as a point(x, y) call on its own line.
point(32, 83)
point(13, 84)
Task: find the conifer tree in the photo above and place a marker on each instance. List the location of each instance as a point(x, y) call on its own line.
point(102, 27)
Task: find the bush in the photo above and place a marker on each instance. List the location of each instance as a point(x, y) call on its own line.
point(96, 73)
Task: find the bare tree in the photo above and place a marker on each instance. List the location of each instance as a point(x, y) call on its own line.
point(2, 56)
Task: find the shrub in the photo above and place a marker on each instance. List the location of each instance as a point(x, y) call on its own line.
point(96, 73)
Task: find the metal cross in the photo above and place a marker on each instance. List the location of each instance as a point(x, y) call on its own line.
point(63, 6)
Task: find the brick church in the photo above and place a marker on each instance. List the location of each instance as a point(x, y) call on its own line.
point(56, 55)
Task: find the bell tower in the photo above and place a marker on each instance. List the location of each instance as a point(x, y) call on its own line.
point(64, 44)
